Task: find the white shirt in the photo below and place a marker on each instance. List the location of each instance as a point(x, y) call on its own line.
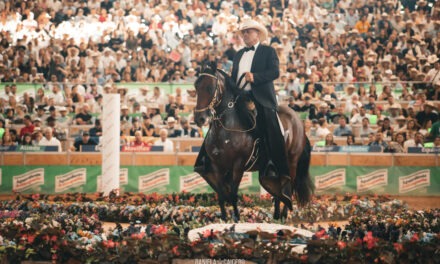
point(245, 65)
point(168, 145)
point(52, 142)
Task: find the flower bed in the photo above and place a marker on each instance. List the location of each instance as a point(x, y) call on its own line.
point(69, 228)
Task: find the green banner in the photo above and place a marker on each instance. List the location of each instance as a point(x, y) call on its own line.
point(148, 179)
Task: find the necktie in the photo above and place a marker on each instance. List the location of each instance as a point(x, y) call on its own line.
point(248, 49)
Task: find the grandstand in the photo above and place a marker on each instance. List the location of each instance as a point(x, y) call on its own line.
point(336, 58)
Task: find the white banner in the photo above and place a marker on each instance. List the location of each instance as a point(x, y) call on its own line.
point(110, 142)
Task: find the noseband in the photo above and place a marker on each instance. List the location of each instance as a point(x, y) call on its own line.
point(216, 98)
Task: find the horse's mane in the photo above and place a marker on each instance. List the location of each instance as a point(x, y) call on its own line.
point(243, 112)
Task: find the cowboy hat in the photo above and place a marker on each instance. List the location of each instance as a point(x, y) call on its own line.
point(430, 104)
point(350, 86)
point(432, 59)
point(252, 24)
point(171, 119)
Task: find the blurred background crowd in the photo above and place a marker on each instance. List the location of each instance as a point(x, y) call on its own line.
point(365, 69)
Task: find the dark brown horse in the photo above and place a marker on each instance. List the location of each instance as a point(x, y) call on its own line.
point(231, 140)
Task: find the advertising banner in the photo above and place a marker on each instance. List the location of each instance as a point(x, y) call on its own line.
point(417, 181)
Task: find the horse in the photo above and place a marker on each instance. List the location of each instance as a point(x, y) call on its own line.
point(231, 141)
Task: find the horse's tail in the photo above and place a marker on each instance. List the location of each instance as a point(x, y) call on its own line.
point(304, 186)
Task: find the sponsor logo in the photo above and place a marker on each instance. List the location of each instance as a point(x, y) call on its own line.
point(246, 181)
point(28, 180)
point(372, 180)
point(123, 176)
point(417, 180)
point(70, 180)
point(154, 180)
point(331, 179)
point(192, 182)
point(30, 148)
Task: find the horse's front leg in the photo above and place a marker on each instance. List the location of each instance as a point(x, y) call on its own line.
point(276, 204)
point(221, 202)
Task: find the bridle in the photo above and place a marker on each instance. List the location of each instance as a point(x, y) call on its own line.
point(216, 98)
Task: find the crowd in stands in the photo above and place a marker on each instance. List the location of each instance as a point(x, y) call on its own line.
point(339, 60)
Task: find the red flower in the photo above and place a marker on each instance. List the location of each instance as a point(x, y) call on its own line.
point(54, 238)
point(341, 245)
point(30, 238)
point(246, 199)
point(303, 258)
point(192, 199)
point(321, 234)
point(160, 230)
point(176, 251)
point(398, 247)
point(370, 240)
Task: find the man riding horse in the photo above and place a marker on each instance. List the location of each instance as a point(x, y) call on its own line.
point(255, 67)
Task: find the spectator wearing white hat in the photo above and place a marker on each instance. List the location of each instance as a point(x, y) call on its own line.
point(173, 128)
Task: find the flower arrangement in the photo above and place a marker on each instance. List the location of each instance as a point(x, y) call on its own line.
point(70, 228)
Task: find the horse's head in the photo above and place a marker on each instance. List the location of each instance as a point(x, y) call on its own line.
point(209, 87)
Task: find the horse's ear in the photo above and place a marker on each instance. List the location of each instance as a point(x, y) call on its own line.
point(213, 65)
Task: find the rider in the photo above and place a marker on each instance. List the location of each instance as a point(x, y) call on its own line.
point(259, 65)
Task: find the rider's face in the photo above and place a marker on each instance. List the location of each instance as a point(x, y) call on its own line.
point(250, 36)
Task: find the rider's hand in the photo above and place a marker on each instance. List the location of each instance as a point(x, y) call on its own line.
point(249, 77)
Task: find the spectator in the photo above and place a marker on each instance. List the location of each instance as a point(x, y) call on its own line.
point(138, 141)
point(417, 141)
point(63, 120)
point(148, 129)
point(136, 126)
point(7, 139)
point(49, 139)
point(386, 128)
point(343, 129)
point(378, 141)
point(324, 112)
point(437, 142)
point(397, 146)
point(96, 131)
point(401, 124)
point(427, 115)
point(167, 144)
point(322, 130)
point(28, 127)
point(357, 118)
point(84, 117)
point(27, 140)
point(351, 140)
point(329, 141)
point(172, 129)
point(187, 130)
point(84, 141)
point(309, 107)
point(38, 136)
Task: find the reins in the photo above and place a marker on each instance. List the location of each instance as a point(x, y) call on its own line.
point(217, 99)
